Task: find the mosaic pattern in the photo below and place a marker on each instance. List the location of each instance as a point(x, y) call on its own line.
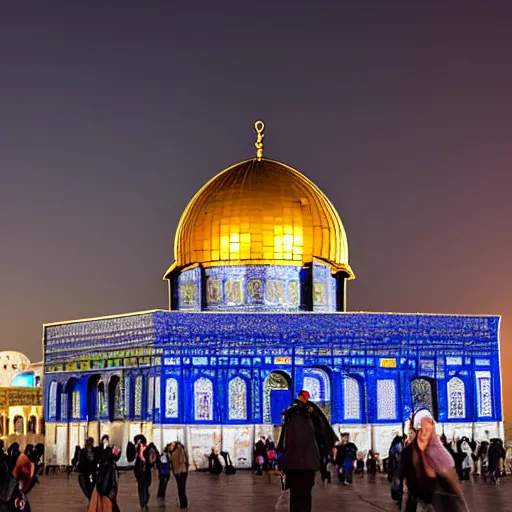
point(188, 291)
point(118, 405)
point(351, 399)
point(324, 287)
point(127, 396)
point(171, 398)
point(318, 383)
point(150, 396)
point(386, 399)
point(257, 287)
point(456, 398)
point(203, 399)
point(64, 406)
point(261, 342)
point(312, 385)
point(422, 395)
point(237, 399)
point(157, 392)
point(102, 400)
point(75, 404)
point(137, 396)
point(484, 394)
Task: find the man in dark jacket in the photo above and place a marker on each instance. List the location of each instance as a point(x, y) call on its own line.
point(305, 438)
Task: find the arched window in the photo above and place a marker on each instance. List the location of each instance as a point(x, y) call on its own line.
point(276, 396)
point(171, 398)
point(386, 399)
point(75, 403)
point(137, 396)
point(237, 399)
point(318, 383)
point(42, 426)
point(351, 399)
point(422, 394)
point(115, 398)
point(32, 425)
point(203, 399)
point(102, 400)
point(456, 398)
point(19, 424)
point(150, 396)
point(54, 400)
point(1, 425)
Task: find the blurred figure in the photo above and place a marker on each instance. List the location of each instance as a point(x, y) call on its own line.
point(179, 465)
point(427, 465)
point(306, 437)
point(346, 454)
point(163, 465)
point(104, 496)
point(86, 468)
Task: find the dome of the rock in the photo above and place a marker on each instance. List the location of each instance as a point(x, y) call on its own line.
point(260, 212)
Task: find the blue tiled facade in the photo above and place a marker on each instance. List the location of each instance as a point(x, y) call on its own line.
point(380, 351)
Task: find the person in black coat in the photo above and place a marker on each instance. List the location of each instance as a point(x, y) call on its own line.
point(306, 437)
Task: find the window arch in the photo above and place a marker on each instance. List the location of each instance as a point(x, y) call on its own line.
point(54, 401)
point(456, 398)
point(484, 394)
point(423, 394)
point(351, 398)
point(237, 399)
point(318, 383)
point(277, 383)
point(203, 399)
point(137, 396)
point(171, 398)
point(115, 398)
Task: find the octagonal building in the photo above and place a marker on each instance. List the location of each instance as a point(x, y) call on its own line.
point(257, 311)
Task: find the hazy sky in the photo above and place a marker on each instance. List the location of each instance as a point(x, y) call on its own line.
point(113, 114)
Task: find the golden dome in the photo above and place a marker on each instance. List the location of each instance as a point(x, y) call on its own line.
point(260, 212)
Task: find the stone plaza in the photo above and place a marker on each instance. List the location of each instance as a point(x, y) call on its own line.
point(249, 493)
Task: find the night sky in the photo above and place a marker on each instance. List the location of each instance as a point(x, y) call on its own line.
point(113, 114)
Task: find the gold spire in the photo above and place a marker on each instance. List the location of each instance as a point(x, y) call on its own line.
point(259, 126)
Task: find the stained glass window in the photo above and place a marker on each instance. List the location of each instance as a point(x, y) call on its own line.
point(386, 399)
point(75, 403)
point(171, 398)
point(52, 409)
point(484, 396)
point(203, 399)
point(137, 396)
point(237, 399)
point(421, 391)
point(150, 395)
point(351, 399)
point(456, 398)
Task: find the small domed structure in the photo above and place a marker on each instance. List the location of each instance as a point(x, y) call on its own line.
point(12, 363)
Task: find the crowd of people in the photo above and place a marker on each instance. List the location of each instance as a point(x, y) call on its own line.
point(430, 467)
point(18, 475)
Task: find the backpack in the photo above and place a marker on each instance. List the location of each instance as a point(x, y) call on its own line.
point(151, 455)
point(165, 467)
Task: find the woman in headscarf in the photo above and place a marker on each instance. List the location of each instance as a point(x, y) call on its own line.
point(428, 469)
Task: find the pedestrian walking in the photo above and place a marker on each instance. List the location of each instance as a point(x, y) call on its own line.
point(306, 437)
point(179, 468)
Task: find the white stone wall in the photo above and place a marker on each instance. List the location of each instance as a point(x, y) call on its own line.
point(62, 438)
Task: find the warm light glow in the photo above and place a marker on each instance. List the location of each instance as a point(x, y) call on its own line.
point(260, 212)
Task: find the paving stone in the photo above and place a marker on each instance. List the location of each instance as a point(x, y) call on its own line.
point(246, 492)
